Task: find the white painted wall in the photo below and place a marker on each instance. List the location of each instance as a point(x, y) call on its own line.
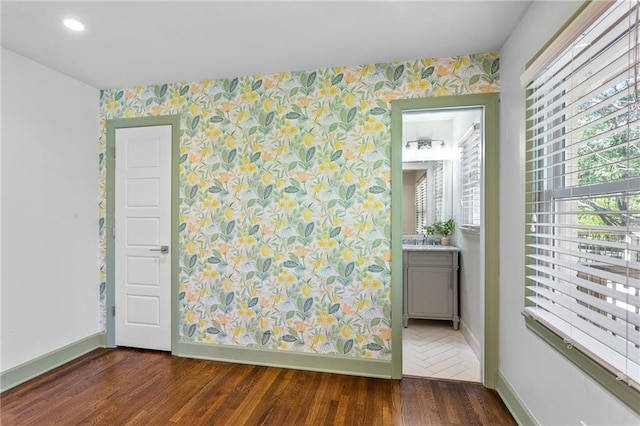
point(554, 390)
point(49, 219)
point(470, 282)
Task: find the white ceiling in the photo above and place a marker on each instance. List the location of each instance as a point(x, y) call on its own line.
point(149, 42)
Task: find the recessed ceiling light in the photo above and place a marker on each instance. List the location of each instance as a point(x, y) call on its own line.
point(74, 25)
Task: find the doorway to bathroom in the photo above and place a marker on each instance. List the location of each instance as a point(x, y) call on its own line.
point(442, 286)
point(444, 153)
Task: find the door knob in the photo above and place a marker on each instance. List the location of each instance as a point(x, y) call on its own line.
point(162, 249)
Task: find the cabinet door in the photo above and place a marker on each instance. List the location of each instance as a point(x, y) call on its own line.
point(430, 292)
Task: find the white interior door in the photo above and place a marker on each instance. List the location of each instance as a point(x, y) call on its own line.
point(143, 237)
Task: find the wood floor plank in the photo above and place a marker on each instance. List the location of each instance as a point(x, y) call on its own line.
point(135, 387)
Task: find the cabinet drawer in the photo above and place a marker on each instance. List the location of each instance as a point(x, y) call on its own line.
point(433, 258)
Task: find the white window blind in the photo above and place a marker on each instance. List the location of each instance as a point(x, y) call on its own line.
point(421, 203)
point(583, 194)
point(438, 190)
point(470, 164)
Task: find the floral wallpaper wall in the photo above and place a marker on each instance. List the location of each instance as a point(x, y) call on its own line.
point(285, 199)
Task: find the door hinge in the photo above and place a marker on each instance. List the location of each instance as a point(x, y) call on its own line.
point(113, 231)
point(113, 310)
point(113, 152)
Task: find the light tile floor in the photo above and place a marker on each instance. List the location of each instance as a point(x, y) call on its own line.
point(435, 349)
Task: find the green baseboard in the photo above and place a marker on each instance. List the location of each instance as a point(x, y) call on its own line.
point(283, 359)
point(518, 409)
point(37, 366)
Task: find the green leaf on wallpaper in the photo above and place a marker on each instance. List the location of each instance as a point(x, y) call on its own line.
point(213, 330)
point(474, 79)
point(290, 264)
point(230, 226)
point(337, 79)
point(293, 115)
point(216, 119)
point(253, 130)
point(379, 85)
point(266, 265)
point(291, 240)
point(289, 338)
point(184, 90)
point(181, 295)
point(351, 189)
point(101, 223)
point(254, 229)
point(293, 91)
point(193, 191)
point(398, 72)
point(252, 302)
point(229, 299)
point(375, 322)
point(267, 191)
point(292, 165)
point(192, 330)
point(265, 337)
point(195, 122)
point(335, 232)
point(310, 153)
point(377, 189)
point(311, 79)
point(192, 260)
point(256, 85)
point(269, 118)
point(118, 95)
point(377, 111)
point(336, 154)
point(290, 315)
point(495, 66)
point(232, 155)
point(347, 346)
point(374, 347)
point(334, 308)
point(255, 157)
point(233, 85)
point(426, 73)
point(250, 275)
point(182, 226)
point(376, 243)
point(307, 304)
point(291, 189)
point(183, 158)
point(163, 90)
point(375, 268)
point(349, 269)
point(486, 66)
point(377, 164)
point(214, 189)
point(333, 127)
point(331, 279)
point(309, 229)
point(214, 260)
point(103, 287)
point(332, 203)
point(351, 114)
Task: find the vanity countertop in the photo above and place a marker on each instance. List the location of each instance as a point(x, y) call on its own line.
point(429, 247)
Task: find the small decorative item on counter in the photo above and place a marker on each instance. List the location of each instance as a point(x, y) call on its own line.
point(445, 229)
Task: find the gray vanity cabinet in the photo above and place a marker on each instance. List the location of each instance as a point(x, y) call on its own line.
point(430, 285)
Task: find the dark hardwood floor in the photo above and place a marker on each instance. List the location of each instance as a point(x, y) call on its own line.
point(134, 387)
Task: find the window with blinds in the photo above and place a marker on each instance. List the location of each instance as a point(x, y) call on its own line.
point(421, 203)
point(438, 190)
point(470, 171)
point(583, 193)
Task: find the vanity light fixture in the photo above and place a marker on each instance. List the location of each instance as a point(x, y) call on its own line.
point(73, 24)
point(422, 143)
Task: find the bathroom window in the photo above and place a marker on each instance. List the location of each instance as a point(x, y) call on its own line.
point(438, 191)
point(470, 164)
point(583, 195)
point(421, 203)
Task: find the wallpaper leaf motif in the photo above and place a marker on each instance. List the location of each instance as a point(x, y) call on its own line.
point(284, 230)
